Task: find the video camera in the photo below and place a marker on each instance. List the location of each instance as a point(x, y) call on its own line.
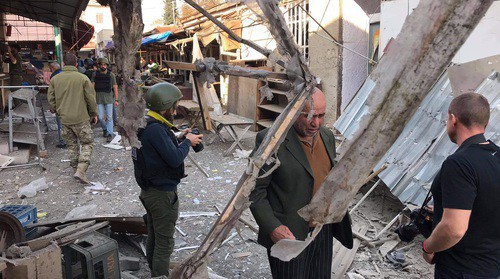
point(199, 147)
point(420, 223)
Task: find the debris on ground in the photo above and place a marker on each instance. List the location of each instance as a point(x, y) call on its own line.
point(31, 189)
point(82, 212)
point(112, 170)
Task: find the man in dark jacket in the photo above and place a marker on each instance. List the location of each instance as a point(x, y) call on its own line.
point(15, 61)
point(159, 168)
point(306, 156)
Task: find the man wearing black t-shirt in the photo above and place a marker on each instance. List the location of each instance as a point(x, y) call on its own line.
point(465, 242)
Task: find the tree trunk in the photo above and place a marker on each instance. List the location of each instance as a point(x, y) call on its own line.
point(128, 28)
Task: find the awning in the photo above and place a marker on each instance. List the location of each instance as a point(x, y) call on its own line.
point(54, 12)
point(156, 38)
point(162, 29)
point(82, 35)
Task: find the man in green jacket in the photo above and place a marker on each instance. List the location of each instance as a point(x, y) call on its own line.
point(306, 156)
point(72, 96)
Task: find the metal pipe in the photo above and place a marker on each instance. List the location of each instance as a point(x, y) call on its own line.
point(23, 86)
point(198, 165)
point(365, 196)
point(20, 166)
point(389, 225)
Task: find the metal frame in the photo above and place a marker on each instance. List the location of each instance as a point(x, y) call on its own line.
point(32, 108)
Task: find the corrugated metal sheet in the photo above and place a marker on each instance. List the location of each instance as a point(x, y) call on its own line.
point(348, 122)
point(417, 154)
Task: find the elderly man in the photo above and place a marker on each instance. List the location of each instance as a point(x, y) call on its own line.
point(72, 97)
point(306, 155)
point(465, 242)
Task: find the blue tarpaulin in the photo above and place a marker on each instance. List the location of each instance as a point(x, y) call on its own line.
point(156, 38)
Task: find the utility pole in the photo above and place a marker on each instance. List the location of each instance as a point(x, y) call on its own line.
point(58, 41)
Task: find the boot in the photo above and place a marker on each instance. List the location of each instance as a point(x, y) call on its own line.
point(81, 173)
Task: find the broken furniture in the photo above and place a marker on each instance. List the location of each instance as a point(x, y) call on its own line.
point(228, 121)
point(26, 214)
point(44, 263)
point(29, 131)
point(11, 229)
point(190, 110)
point(92, 256)
point(87, 250)
point(269, 107)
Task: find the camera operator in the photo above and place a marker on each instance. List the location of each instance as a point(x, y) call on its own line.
point(465, 242)
point(159, 168)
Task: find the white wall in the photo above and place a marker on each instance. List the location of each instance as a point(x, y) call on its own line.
point(392, 17)
point(102, 38)
point(259, 34)
point(483, 42)
point(324, 54)
point(89, 15)
point(356, 26)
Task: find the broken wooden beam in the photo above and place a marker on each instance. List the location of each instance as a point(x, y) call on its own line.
point(202, 102)
point(72, 237)
point(243, 220)
point(222, 67)
point(304, 83)
point(133, 225)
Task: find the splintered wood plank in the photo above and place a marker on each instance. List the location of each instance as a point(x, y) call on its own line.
point(202, 101)
point(5, 160)
point(196, 265)
point(273, 108)
point(343, 257)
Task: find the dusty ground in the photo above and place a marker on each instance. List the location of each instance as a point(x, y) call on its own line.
point(197, 193)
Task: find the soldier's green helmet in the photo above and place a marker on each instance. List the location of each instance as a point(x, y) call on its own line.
point(103, 60)
point(162, 96)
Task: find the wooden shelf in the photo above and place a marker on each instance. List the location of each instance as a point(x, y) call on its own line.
point(265, 123)
point(273, 108)
point(279, 92)
point(270, 109)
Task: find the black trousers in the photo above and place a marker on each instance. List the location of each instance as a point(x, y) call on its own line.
point(315, 262)
point(443, 272)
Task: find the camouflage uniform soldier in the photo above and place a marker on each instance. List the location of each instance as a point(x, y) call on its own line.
point(72, 96)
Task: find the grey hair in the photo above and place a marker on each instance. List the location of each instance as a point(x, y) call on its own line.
point(54, 65)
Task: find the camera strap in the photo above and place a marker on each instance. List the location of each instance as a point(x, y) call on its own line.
point(426, 201)
point(479, 138)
